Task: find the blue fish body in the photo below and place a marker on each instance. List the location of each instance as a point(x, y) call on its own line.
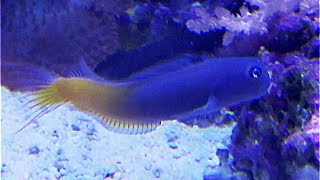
point(183, 88)
point(210, 85)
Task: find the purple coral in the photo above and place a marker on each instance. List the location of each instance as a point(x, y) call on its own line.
point(309, 134)
point(280, 134)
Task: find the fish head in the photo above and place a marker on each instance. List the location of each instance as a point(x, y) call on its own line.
point(242, 79)
point(253, 80)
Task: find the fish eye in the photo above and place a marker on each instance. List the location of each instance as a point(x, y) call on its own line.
point(255, 72)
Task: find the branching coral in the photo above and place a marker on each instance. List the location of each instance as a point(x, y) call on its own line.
point(271, 20)
point(247, 23)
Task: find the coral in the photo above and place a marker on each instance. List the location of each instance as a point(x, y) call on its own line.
point(203, 23)
point(279, 134)
point(273, 23)
point(307, 136)
point(246, 23)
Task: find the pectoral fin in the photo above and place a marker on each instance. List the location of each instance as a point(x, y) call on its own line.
point(209, 108)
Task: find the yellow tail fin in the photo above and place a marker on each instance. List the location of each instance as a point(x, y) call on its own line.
point(90, 96)
point(45, 99)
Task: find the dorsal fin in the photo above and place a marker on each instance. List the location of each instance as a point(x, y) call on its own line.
point(80, 69)
point(173, 65)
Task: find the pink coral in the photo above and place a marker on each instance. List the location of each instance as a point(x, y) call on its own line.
point(247, 23)
point(203, 22)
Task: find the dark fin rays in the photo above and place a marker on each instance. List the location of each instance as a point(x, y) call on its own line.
point(126, 126)
point(81, 70)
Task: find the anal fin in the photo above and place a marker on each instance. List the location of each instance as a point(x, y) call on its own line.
point(128, 127)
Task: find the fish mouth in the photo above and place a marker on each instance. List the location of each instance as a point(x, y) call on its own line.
point(266, 89)
point(269, 85)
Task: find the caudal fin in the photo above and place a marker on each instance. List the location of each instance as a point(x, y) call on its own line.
point(34, 80)
point(25, 77)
